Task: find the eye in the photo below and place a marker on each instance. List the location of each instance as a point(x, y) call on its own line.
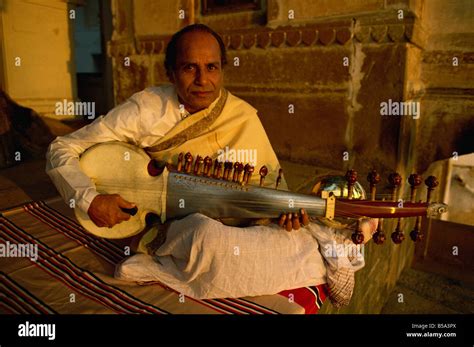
point(188, 67)
point(211, 67)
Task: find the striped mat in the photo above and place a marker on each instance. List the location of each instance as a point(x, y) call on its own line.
point(73, 273)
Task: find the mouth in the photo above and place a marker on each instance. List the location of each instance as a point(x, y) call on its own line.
point(202, 94)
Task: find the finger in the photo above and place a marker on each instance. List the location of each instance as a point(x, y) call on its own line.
point(124, 203)
point(282, 219)
point(122, 216)
point(109, 223)
point(296, 221)
point(374, 223)
point(304, 217)
point(289, 224)
point(101, 223)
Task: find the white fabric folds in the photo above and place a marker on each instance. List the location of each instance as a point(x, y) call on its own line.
point(203, 258)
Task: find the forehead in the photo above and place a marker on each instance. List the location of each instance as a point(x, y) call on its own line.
point(198, 45)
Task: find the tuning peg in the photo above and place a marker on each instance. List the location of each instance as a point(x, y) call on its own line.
point(230, 166)
point(214, 171)
point(207, 166)
point(398, 236)
point(198, 165)
point(235, 175)
point(154, 168)
point(416, 234)
point(180, 162)
point(188, 158)
point(217, 169)
point(278, 181)
point(357, 236)
point(431, 182)
point(379, 236)
point(374, 178)
point(263, 172)
point(227, 170)
point(415, 180)
point(248, 170)
point(395, 180)
point(240, 177)
point(238, 169)
point(351, 177)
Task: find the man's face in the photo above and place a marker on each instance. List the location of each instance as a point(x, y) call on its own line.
point(198, 76)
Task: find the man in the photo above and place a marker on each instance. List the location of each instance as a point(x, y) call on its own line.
point(201, 257)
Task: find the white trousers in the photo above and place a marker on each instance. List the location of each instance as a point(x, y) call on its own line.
point(204, 258)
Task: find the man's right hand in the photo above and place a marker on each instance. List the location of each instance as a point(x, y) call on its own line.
point(105, 210)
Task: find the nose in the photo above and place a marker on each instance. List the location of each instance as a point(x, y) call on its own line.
point(201, 77)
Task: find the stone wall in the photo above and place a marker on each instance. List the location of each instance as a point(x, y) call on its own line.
point(333, 74)
point(333, 63)
point(443, 82)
